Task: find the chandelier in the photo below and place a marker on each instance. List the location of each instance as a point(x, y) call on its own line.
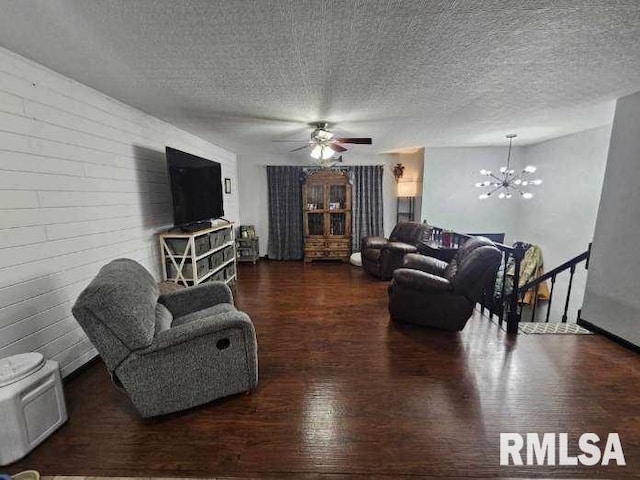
point(508, 182)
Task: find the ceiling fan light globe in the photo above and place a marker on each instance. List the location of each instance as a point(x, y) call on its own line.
point(316, 152)
point(326, 153)
point(324, 135)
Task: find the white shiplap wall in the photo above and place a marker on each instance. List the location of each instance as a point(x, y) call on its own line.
point(82, 181)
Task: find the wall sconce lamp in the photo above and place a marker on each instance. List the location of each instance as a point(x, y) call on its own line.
point(398, 171)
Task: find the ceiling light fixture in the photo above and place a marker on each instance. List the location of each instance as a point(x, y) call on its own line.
point(322, 152)
point(508, 182)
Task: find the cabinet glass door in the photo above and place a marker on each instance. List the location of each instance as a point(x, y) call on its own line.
point(337, 224)
point(337, 197)
point(315, 198)
point(316, 223)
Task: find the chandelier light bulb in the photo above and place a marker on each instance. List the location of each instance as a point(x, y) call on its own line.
point(479, 184)
point(527, 195)
point(524, 183)
point(484, 196)
point(508, 195)
point(503, 169)
point(502, 195)
point(529, 169)
point(536, 182)
point(517, 181)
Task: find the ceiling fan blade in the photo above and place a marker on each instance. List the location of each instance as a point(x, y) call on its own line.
point(359, 141)
point(299, 148)
point(337, 148)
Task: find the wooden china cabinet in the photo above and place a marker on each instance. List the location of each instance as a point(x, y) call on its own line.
point(326, 202)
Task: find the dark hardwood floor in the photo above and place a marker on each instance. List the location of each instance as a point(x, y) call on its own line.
point(345, 394)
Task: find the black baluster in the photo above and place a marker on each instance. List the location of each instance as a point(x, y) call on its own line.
point(535, 302)
point(566, 303)
point(553, 284)
point(490, 295)
point(515, 314)
point(503, 286)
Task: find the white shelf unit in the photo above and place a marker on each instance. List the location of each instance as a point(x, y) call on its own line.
point(191, 258)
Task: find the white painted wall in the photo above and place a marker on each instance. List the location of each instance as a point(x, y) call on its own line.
point(82, 181)
point(561, 218)
point(254, 196)
point(450, 199)
point(612, 301)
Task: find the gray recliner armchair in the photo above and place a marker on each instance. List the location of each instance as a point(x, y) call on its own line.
point(169, 352)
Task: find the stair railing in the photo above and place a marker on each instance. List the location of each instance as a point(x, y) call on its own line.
point(503, 304)
point(534, 286)
point(507, 306)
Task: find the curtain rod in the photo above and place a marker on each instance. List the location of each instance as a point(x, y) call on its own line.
point(345, 166)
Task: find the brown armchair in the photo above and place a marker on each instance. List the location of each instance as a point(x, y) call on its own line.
point(429, 292)
point(381, 256)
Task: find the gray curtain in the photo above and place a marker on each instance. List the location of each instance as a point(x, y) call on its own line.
point(367, 203)
point(285, 213)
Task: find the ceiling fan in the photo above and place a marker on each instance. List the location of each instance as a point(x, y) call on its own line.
point(324, 144)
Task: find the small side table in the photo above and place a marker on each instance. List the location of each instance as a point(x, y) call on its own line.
point(248, 249)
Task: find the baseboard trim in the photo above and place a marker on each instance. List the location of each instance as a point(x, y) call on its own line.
point(611, 336)
point(85, 366)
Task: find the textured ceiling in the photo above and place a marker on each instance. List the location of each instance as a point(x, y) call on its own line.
point(409, 73)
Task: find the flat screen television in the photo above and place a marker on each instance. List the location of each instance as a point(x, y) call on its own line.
point(196, 187)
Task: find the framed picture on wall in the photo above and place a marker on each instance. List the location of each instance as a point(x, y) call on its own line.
point(227, 185)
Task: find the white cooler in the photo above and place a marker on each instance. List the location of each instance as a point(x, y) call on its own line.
point(31, 404)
